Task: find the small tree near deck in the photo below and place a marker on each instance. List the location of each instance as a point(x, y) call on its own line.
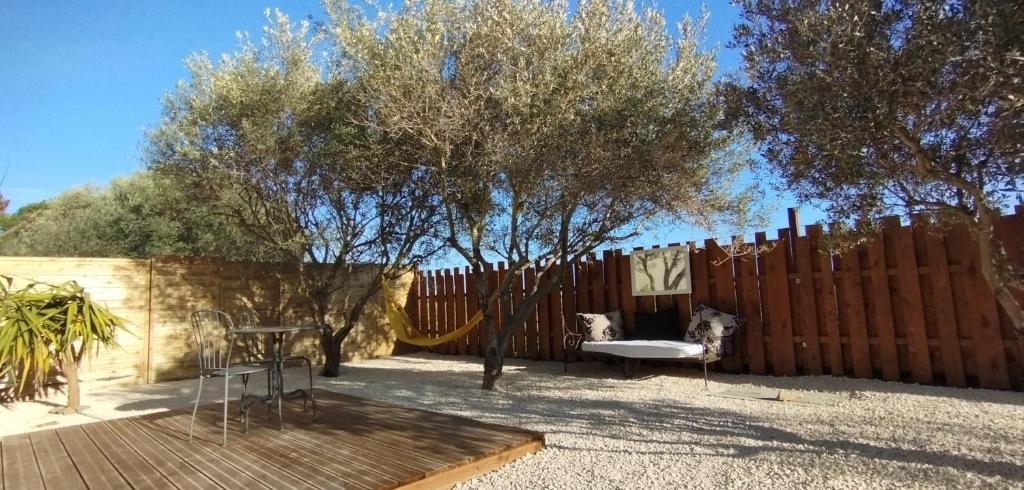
point(266, 137)
point(904, 106)
point(548, 131)
point(42, 324)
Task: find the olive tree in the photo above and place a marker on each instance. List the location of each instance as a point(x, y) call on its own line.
point(265, 136)
point(547, 130)
point(906, 106)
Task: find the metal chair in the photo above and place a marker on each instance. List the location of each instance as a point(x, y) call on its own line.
point(215, 339)
point(255, 353)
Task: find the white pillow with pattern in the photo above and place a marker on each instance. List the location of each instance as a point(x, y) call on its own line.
point(600, 327)
point(710, 325)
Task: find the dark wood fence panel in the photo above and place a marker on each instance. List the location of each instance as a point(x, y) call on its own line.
point(560, 313)
point(544, 324)
point(461, 343)
point(724, 294)
point(530, 333)
point(472, 308)
point(880, 312)
point(909, 305)
point(626, 299)
point(752, 343)
point(518, 336)
point(449, 310)
point(808, 311)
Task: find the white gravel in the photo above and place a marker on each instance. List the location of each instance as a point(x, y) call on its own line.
point(664, 430)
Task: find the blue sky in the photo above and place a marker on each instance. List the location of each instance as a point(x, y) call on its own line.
point(80, 81)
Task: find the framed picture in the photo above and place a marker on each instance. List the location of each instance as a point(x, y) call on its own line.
point(660, 271)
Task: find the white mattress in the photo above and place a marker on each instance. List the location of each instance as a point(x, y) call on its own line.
point(646, 349)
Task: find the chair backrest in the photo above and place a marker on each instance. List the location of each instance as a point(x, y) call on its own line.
point(212, 330)
point(255, 347)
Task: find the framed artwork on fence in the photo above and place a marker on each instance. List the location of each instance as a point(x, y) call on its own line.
point(660, 271)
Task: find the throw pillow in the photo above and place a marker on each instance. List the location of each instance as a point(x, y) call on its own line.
point(600, 327)
point(710, 325)
point(663, 325)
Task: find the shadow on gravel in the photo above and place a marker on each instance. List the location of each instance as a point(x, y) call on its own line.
point(523, 401)
point(824, 384)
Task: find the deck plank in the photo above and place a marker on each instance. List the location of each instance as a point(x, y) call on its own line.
point(273, 474)
point(96, 470)
point(139, 474)
point(19, 463)
point(353, 443)
point(169, 465)
point(295, 461)
point(502, 432)
point(178, 443)
point(351, 452)
point(439, 440)
point(60, 469)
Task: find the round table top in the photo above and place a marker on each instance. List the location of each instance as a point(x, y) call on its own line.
point(274, 329)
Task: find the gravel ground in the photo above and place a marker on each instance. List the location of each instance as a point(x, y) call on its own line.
point(663, 430)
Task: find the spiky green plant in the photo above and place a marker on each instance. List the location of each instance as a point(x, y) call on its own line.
point(42, 324)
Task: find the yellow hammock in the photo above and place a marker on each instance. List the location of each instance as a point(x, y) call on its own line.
point(407, 333)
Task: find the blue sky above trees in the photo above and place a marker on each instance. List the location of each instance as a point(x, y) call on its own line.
point(82, 80)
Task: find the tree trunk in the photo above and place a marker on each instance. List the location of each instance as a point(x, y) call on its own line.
point(995, 268)
point(494, 361)
point(331, 342)
point(70, 369)
point(1011, 305)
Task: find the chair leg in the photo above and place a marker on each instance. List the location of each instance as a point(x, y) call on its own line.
point(241, 401)
point(312, 399)
point(269, 387)
point(195, 408)
point(280, 391)
point(226, 379)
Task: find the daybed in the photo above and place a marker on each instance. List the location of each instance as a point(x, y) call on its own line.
point(657, 337)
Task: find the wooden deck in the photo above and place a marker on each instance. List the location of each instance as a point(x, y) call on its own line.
point(354, 443)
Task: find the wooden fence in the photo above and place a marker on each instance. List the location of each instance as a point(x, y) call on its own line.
point(909, 305)
point(157, 296)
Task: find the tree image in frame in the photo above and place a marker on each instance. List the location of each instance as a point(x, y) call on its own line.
point(905, 107)
point(546, 131)
point(660, 271)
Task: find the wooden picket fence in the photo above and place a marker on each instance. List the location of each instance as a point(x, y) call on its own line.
point(909, 305)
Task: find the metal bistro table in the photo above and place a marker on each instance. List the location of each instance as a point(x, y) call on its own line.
point(277, 393)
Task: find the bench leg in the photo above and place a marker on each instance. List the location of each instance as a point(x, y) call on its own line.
point(705, 375)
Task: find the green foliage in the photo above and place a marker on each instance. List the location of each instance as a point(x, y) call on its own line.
point(906, 106)
point(24, 214)
point(547, 128)
point(139, 216)
point(42, 323)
